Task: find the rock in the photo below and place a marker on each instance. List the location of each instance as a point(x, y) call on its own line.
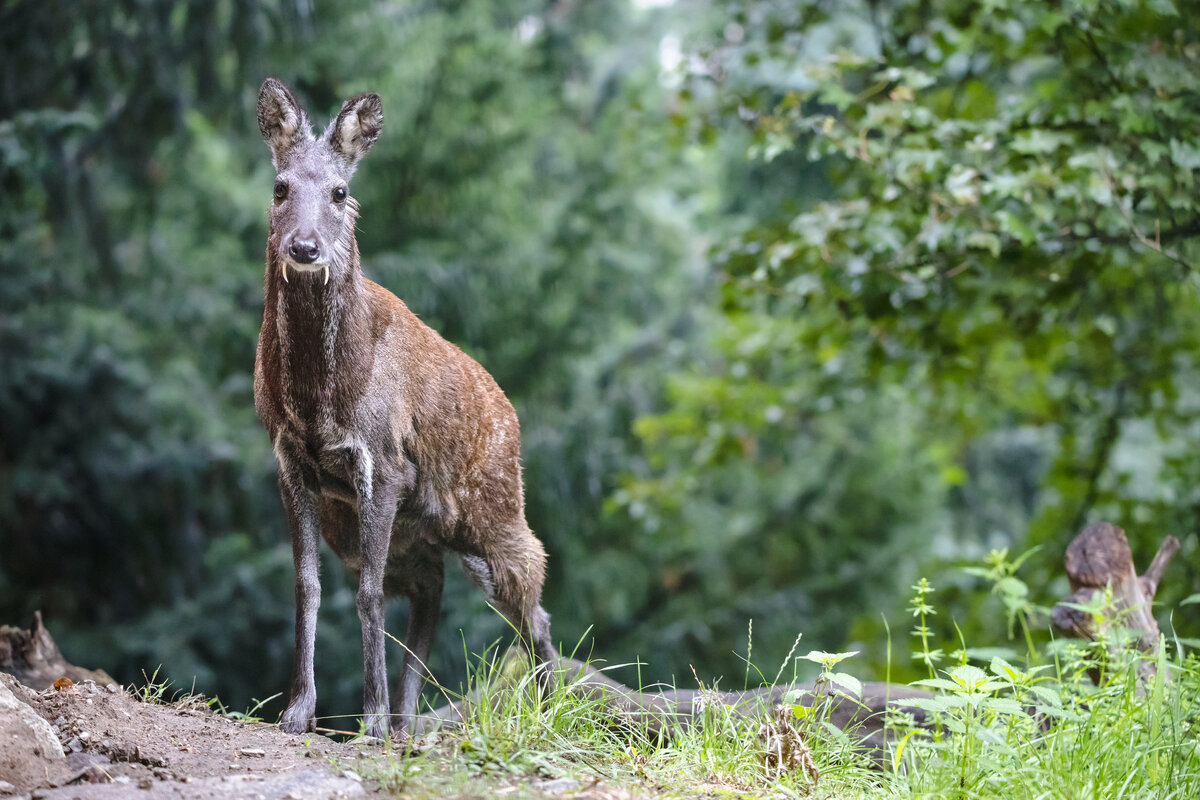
point(29, 750)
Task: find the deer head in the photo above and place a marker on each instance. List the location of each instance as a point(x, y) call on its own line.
point(312, 215)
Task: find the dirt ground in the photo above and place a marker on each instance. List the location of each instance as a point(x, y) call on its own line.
point(117, 746)
point(114, 745)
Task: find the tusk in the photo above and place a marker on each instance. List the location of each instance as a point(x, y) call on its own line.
point(285, 278)
point(326, 275)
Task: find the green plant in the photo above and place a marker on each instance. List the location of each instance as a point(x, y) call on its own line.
point(249, 715)
point(922, 610)
point(153, 690)
point(969, 707)
point(1012, 591)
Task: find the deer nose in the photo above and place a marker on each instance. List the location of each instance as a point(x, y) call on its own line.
point(303, 251)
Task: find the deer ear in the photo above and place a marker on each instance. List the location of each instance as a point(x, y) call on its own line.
point(356, 127)
point(280, 119)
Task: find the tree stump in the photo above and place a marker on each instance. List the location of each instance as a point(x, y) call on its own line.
point(1100, 557)
point(32, 657)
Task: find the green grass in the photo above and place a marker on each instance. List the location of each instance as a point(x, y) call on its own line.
point(1039, 730)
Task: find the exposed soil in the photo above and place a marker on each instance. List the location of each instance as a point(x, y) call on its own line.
point(117, 746)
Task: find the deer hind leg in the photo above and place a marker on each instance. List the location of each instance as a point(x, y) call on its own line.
point(510, 571)
point(425, 603)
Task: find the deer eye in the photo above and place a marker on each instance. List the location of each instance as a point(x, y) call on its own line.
point(339, 194)
point(281, 190)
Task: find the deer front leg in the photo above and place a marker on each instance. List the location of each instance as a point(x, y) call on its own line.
point(377, 510)
point(303, 511)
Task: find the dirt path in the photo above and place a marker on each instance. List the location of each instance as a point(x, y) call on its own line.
point(116, 746)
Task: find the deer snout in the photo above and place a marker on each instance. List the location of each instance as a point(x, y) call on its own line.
point(304, 250)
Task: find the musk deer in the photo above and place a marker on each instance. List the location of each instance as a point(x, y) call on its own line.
point(393, 444)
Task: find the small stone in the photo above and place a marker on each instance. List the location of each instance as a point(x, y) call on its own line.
point(121, 779)
point(252, 752)
point(557, 785)
point(352, 775)
point(112, 688)
point(7, 788)
point(74, 745)
point(145, 783)
point(84, 736)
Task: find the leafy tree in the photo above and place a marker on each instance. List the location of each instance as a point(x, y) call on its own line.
point(1003, 271)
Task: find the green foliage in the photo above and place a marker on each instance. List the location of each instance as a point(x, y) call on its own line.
point(1049, 730)
point(984, 261)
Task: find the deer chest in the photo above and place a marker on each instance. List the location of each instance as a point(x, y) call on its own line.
point(339, 468)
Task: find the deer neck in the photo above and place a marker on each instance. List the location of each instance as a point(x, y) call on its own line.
point(323, 333)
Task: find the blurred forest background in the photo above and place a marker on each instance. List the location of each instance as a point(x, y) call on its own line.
point(797, 301)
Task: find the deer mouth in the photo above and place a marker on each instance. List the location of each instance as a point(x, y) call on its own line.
point(313, 267)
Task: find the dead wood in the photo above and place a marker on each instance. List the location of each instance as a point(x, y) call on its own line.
point(32, 657)
point(662, 715)
point(1099, 557)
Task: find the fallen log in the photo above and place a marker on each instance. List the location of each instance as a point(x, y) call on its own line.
point(663, 715)
point(32, 657)
point(1100, 557)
